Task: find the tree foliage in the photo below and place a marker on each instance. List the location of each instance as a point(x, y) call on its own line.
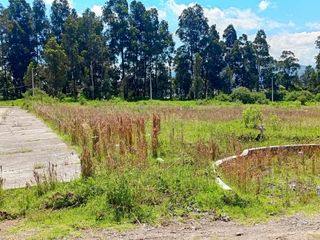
point(129, 52)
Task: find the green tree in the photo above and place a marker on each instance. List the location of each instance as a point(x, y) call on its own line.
point(27, 79)
point(6, 84)
point(148, 54)
point(230, 36)
point(157, 49)
point(70, 44)
point(136, 80)
point(288, 69)
point(242, 61)
point(308, 79)
point(250, 73)
point(56, 63)
point(21, 42)
point(182, 66)
point(227, 79)
point(214, 62)
point(318, 56)
point(41, 27)
point(162, 59)
point(193, 30)
point(263, 57)
point(116, 15)
point(232, 55)
point(93, 50)
point(60, 11)
point(197, 81)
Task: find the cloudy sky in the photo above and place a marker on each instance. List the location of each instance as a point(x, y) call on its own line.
point(290, 25)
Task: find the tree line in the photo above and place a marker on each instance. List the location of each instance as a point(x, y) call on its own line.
point(129, 52)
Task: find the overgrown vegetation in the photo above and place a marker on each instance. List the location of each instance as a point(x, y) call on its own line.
point(285, 177)
point(151, 162)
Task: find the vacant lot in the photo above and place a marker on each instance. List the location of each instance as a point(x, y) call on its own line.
point(152, 162)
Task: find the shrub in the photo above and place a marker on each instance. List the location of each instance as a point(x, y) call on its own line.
point(61, 96)
point(317, 97)
point(62, 200)
point(242, 94)
point(223, 97)
point(245, 96)
point(202, 102)
point(252, 117)
point(278, 95)
point(302, 96)
point(38, 94)
point(259, 97)
point(69, 100)
point(82, 100)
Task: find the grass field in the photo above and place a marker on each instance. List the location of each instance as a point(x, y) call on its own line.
point(152, 162)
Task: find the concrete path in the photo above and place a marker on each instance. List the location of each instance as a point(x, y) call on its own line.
point(27, 144)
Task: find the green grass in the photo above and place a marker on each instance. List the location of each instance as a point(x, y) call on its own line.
point(181, 186)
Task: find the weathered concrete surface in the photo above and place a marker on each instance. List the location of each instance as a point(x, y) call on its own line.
point(26, 144)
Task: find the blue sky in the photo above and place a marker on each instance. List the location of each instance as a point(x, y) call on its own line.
point(289, 24)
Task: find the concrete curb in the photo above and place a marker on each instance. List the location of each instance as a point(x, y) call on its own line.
point(248, 152)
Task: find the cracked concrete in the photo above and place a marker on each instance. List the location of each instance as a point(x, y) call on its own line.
point(27, 143)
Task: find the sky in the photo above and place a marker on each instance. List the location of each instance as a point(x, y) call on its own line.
point(289, 24)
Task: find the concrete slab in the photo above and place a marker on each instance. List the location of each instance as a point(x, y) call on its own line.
point(27, 144)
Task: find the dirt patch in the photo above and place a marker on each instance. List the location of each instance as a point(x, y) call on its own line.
point(6, 226)
point(297, 227)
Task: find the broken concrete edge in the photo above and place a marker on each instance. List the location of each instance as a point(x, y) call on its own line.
point(248, 152)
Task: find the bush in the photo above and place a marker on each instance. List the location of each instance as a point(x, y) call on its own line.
point(317, 97)
point(252, 117)
point(302, 96)
point(242, 94)
point(82, 100)
point(38, 94)
point(223, 97)
point(202, 102)
point(68, 100)
point(259, 97)
point(245, 96)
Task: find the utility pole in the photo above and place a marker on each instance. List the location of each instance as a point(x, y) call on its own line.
point(272, 89)
point(150, 88)
point(32, 78)
point(92, 82)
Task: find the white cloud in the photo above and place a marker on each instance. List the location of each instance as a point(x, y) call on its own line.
point(178, 8)
point(302, 44)
point(242, 19)
point(97, 9)
point(313, 25)
point(49, 2)
point(161, 13)
point(245, 20)
point(264, 5)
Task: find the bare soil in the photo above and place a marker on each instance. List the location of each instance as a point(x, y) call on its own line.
point(297, 227)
